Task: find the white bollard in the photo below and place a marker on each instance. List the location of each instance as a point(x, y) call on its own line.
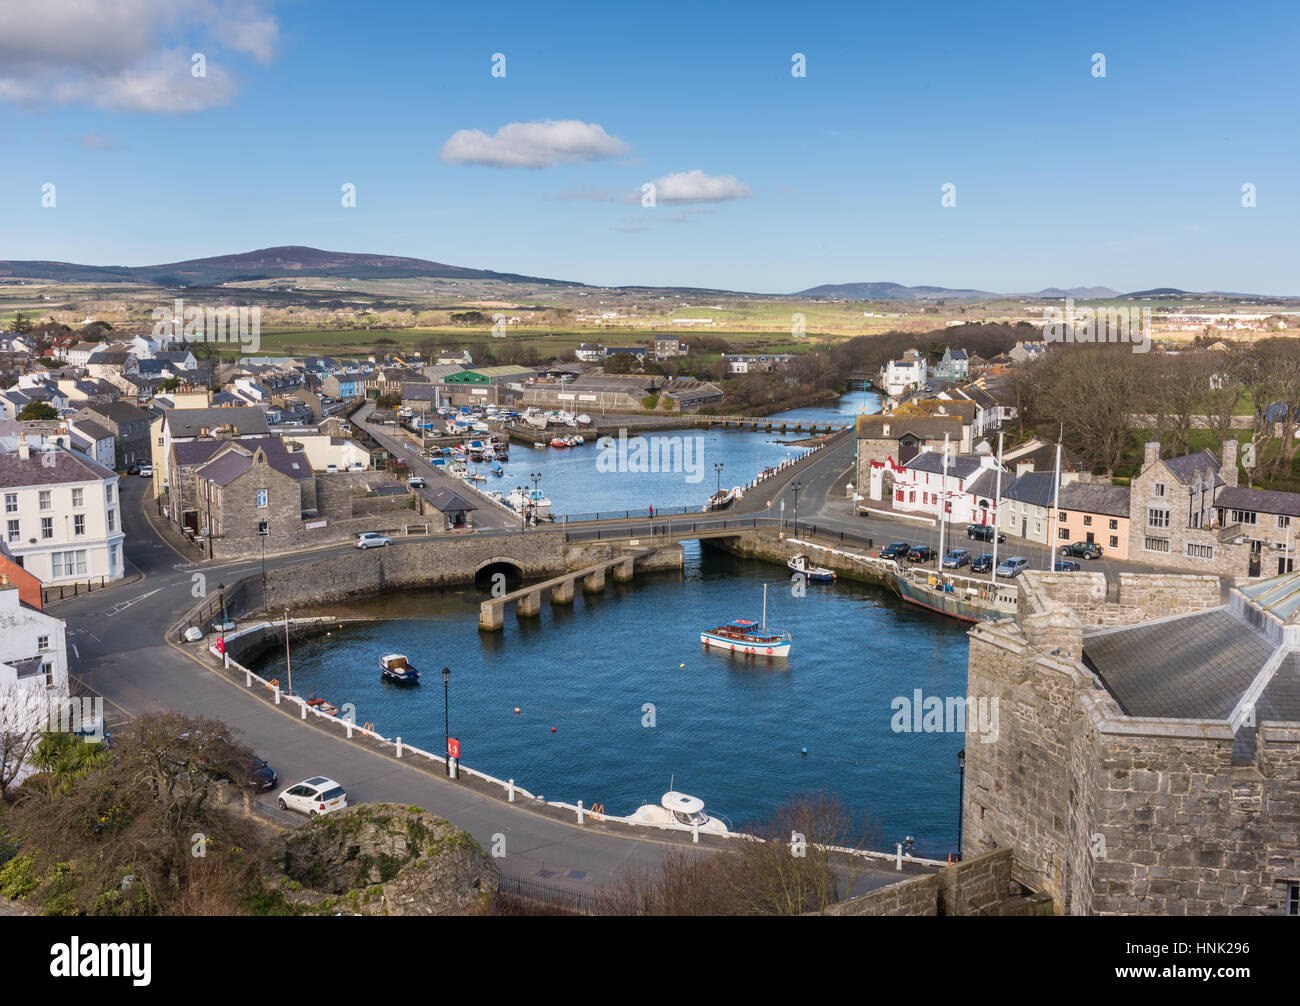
point(277, 695)
point(695, 833)
point(399, 747)
point(510, 792)
point(248, 679)
point(580, 812)
point(898, 863)
point(349, 726)
point(303, 703)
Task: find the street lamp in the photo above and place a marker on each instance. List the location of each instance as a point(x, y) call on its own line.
point(796, 486)
point(446, 719)
point(961, 793)
point(718, 468)
point(221, 589)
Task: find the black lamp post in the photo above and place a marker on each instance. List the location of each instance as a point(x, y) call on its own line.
point(446, 717)
point(961, 793)
point(263, 534)
point(718, 468)
point(796, 487)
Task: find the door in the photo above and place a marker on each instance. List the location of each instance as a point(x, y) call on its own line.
point(1091, 540)
point(1024, 526)
point(1285, 566)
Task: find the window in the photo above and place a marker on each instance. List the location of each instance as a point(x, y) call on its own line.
point(1157, 518)
point(1087, 520)
point(1160, 489)
point(1114, 541)
point(13, 531)
point(898, 496)
point(1283, 520)
point(1200, 551)
point(69, 563)
point(263, 527)
point(44, 497)
point(1063, 533)
point(11, 502)
point(1114, 525)
point(1062, 517)
point(1293, 899)
point(1038, 527)
point(43, 643)
point(112, 520)
point(78, 497)
point(1156, 544)
point(47, 527)
point(79, 524)
point(1242, 516)
point(262, 499)
point(108, 494)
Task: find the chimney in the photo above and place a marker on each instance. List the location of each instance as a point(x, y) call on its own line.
point(24, 449)
point(1151, 455)
point(1023, 466)
point(1229, 470)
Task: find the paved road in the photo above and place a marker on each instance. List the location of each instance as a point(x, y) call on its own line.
point(116, 647)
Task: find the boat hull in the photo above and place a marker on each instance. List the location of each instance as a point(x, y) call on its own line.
point(780, 648)
point(950, 603)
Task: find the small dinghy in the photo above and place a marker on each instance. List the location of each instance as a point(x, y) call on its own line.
point(397, 669)
point(802, 565)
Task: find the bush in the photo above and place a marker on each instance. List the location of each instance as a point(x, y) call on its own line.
point(18, 877)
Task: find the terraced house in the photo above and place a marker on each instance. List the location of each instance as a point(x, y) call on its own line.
point(61, 517)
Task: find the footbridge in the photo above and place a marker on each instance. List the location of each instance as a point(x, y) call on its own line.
point(528, 600)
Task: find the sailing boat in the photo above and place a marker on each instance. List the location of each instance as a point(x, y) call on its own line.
point(750, 638)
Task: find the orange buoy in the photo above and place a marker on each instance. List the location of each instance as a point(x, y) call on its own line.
point(516, 710)
point(552, 729)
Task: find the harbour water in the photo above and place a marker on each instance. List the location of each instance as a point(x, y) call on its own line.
point(729, 729)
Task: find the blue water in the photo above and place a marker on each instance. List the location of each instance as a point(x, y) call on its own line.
point(729, 729)
point(572, 480)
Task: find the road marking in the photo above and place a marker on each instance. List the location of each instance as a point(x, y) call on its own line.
point(123, 605)
point(76, 652)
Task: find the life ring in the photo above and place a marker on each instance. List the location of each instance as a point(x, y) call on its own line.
point(749, 650)
point(769, 651)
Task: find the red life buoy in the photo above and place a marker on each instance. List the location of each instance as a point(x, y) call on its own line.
point(769, 651)
point(749, 650)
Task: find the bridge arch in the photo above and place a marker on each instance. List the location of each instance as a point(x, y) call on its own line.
point(512, 569)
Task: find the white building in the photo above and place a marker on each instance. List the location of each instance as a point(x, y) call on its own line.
point(62, 522)
point(33, 662)
point(966, 493)
point(898, 377)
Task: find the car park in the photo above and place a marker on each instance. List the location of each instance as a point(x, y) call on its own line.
point(957, 558)
point(1082, 550)
point(920, 553)
point(372, 539)
point(1014, 566)
point(983, 532)
point(896, 550)
point(982, 563)
point(1065, 566)
point(317, 795)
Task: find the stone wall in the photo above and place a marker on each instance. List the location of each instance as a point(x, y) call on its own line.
point(972, 887)
point(1140, 598)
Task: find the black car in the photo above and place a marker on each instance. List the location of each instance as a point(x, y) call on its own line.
point(983, 532)
point(921, 553)
point(896, 550)
point(261, 775)
point(1082, 550)
point(982, 564)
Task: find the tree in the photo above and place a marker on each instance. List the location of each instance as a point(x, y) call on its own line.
point(38, 410)
point(19, 733)
point(22, 323)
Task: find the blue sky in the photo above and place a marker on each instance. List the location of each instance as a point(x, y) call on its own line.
point(1130, 181)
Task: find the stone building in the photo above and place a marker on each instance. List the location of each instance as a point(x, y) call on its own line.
point(129, 425)
point(895, 440)
point(1146, 756)
point(244, 493)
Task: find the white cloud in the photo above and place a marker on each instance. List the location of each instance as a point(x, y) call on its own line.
point(696, 187)
point(128, 54)
point(533, 145)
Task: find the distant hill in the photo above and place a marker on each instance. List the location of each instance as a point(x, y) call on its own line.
point(885, 291)
point(265, 263)
point(1083, 292)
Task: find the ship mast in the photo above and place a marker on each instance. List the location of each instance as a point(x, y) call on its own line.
point(763, 627)
point(997, 514)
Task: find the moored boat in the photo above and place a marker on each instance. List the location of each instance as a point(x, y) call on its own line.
point(753, 639)
point(803, 565)
point(678, 810)
point(397, 669)
point(720, 500)
point(323, 706)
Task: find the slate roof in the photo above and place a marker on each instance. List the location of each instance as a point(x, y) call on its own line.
point(986, 484)
point(228, 466)
point(190, 422)
point(1194, 667)
point(445, 500)
point(1095, 497)
point(1034, 488)
point(91, 429)
point(1184, 468)
point(925, 427)
point(118, 412)
point(68, 467)
point(960, 466)
point(1259, 500)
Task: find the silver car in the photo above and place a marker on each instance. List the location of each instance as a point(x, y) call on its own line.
point(370, 539)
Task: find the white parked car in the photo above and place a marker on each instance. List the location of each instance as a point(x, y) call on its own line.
point(331, 469)
point(146, 471)
point(317, 795)
point(356, 466)
point(372, 539)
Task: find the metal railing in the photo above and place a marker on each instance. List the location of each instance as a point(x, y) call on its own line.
point(581, 902)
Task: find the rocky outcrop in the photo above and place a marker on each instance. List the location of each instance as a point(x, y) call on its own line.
point(382, 859)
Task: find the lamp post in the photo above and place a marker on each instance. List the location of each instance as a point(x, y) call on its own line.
point(961, 793)
point(446, 716)
point(718, 468)
point(262, 534)
point(225, 660)
point(796, 486)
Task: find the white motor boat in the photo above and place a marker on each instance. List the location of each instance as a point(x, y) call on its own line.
point(679, 810)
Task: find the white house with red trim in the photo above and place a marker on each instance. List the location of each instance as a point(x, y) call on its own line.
point(965, 493)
